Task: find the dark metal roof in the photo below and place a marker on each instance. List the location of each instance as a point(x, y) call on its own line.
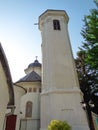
point(53, 10)
point(5, 66)
point(31, 77)
point(35, 64)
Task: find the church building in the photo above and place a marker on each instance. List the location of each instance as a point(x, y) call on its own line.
point(50, 90)
point(27, 94)
point(6, 94)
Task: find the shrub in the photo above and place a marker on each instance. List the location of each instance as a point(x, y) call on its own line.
point(59, 125)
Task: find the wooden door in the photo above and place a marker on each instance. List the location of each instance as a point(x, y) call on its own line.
point(11, 122)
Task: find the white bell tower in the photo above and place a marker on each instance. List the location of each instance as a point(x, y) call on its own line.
point(61, 96)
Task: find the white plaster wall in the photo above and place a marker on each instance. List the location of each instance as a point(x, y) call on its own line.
point(57, 56)
point(63, 105)
point(20, 101)
point(30, 124)
point(4, 96)
point(32, 85)
point(60, 98)
point(35, 99)
point(36, 69)
point(18, 92)
point(34, 121)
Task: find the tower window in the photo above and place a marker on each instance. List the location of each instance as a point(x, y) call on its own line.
point(56, 25)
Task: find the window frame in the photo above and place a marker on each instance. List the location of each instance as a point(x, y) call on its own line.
point(28, 112)
point(56, 24)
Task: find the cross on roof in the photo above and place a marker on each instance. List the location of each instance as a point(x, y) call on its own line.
point(36, 57)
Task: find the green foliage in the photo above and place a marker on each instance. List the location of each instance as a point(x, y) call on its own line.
point(90, 35)
point(87, 59)
point(58, 125)
point(87, 63)
point(88, 77)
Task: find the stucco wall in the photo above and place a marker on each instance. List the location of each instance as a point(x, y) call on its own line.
point(32, 122)
point(18, 92)
point(4, 96)
point(60, 98)
point(35, 99)
point(63, 105)
point(21, 98)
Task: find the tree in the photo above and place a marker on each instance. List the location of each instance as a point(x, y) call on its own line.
point(59, 125)
point(87, 60)
point(90, 35)
point(87, 82)
point(88, 77)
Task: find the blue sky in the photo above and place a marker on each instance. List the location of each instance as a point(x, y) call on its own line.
point(21, 39)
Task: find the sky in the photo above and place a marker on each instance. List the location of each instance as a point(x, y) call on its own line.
point(21, 39)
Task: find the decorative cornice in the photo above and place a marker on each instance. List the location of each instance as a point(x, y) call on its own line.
point(59, 91)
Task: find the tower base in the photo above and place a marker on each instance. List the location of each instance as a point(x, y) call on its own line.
point(74, 128)
point(63, 105)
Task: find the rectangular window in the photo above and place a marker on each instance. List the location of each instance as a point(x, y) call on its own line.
point(56, 25)
point(29, 106)
point(30, 90)
point(34, 89)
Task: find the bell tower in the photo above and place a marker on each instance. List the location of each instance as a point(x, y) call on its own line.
point(61, 96)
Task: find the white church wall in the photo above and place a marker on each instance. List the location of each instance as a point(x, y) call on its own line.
point(36, 69)
point(4, 96)
point(59, 105)
point(18, 92)
point(35, 99)
point(32, 122)
point(32, 85)
point(55, 61)
point(60, 97)
point(21, 98)
point(29, 93)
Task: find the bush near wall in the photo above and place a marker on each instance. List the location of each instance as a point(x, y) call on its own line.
point(58, 125)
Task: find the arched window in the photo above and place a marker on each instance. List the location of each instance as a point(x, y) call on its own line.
point(29, 106)
point(56, 25)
